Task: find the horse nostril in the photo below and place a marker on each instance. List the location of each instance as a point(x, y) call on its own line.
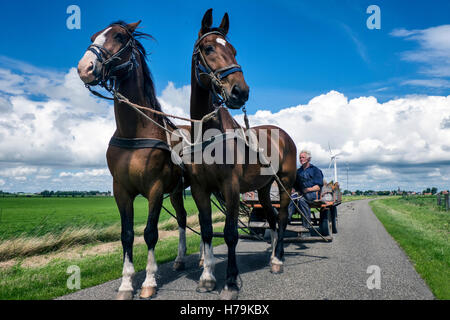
point(238, 93)
point(91, 67)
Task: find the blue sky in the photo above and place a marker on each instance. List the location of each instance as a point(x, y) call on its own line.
point(381, 97)
point(290, 50)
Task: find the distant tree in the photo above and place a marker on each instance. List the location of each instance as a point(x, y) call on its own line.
point(433, 190)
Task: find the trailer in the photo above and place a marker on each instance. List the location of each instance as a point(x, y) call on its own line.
point(324, 217)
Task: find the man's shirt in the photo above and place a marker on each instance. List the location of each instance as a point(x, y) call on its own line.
point(307, 178)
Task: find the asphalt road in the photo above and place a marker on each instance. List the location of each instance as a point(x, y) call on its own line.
point(318, 270)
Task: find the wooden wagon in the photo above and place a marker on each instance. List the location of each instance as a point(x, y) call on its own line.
point(324, 216)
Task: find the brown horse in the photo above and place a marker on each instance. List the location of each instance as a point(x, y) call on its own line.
point(138, 156)
point(216, 78)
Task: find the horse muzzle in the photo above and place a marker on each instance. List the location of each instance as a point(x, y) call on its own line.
point(237, 97)
point(89, 70)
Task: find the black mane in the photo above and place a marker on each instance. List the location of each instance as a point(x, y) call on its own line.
point(149, 86)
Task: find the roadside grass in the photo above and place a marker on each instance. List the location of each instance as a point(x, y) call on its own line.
point(32, 226)
point(354, 198)
point(50, 281)
point(422, 229)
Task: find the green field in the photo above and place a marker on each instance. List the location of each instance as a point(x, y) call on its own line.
point(38, 216)
point(422, 229)
point(31, 227)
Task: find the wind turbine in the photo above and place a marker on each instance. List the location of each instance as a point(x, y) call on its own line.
point(333, 158)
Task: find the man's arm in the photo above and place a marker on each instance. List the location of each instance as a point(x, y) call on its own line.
point(312, 189)
point(317, 180)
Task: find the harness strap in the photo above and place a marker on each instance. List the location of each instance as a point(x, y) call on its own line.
point(138, 143)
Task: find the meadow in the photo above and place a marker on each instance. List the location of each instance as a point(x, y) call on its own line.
point(41, 237)
point(422, 230)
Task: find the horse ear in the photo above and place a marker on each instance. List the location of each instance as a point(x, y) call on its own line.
point(206, 22)
point(225, 24)
point(133, 26)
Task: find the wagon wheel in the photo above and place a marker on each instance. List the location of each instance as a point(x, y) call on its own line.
point(257, 215)
point(325, 225)
point(334, 219)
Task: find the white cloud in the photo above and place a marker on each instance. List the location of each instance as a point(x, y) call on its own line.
point(433, 51)
point(86, 173)
point(18, 171)
point(430, 83)
point(401, 132)
point(68, 127)
point(49, 142)
point(176, 101)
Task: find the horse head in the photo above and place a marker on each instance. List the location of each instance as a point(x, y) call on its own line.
point(216, 68)
point(111, 54)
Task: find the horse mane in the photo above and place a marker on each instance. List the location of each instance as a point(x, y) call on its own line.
point(149, 86)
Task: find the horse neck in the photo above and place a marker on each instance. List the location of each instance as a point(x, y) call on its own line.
point(200, 97)
point(129, 123)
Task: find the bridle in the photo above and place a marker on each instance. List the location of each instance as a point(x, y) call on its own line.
point(202, 68)
point(106, 59)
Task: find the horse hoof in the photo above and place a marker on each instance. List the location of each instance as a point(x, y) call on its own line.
point(147, 292)
point(206, 286)
point(200, 263)
point(276, 268)
point(179, 266)
point(229, 294)
point(124, 295)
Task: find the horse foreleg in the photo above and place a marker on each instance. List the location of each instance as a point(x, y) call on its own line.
point(177, 202)
point(155, 200)
point(201, 259)
point(203, 201)
point(231, 195)
point(271, 215)
point(124, 203)
point(277, 265)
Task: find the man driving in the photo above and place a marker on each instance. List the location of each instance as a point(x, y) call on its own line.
point(308, 184)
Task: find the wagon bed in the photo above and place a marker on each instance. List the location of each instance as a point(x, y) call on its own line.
point(324, 214)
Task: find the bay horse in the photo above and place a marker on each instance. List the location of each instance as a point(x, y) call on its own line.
point(138, 155)
point(217, 79)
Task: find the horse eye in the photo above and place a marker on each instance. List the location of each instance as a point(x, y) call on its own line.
point(119, 37)
point(209, 49)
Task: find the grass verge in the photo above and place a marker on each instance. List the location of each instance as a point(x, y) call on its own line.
point(50, 281)
point(422, 230)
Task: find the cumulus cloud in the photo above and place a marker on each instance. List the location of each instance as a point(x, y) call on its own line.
point(64, 126)
point(379, 141)
point(176, 101)
point(54, 133)
point(49, 119)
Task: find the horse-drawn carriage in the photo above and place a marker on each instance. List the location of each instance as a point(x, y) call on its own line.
point(323, 210)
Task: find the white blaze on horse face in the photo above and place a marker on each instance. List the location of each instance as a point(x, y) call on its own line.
point(221, 41)
point(89, 57)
